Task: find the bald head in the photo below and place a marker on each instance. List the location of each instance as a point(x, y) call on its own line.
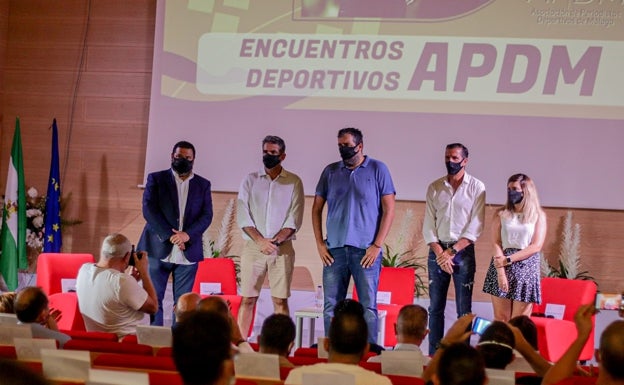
point(214, 304)
point(411, 326)
point(187, 303)
point(30, 303)
point(612, 350)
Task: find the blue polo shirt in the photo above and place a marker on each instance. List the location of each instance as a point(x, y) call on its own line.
point(354, 201)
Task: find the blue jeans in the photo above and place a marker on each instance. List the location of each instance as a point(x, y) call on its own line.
point(336, 282)
point(183, 279)
point(463, 280)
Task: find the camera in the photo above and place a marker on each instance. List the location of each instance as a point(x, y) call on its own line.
point(480, 324)
point(133, 253)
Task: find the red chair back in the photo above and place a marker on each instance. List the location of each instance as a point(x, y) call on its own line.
point(109, 347)
point(52, 267)
point(306, 352)
point(214, 270)
point(405, 380)
point(85, 335)
point(570, 292)
point(134, 361)
point(67, 303)
point(399, 281)
point(164, 378)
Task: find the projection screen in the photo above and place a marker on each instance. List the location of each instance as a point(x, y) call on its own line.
point(528, 86)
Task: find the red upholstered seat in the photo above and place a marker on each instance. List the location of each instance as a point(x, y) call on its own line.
point(405, 380)
point(164, 378)
point(67, 303)
point(85, 335)
point(52, 267)
point(109, 347)
point(554, 336)
point(134, 361)
point(399, 282)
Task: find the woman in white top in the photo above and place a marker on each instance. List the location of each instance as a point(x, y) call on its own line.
point(519, 229)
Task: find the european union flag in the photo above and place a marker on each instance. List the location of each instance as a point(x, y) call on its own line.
point(53, 241)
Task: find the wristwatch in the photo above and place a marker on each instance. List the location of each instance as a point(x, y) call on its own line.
point(451, 250)
point(509, 261)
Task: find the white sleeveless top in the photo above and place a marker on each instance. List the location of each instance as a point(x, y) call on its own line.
point(514, 233)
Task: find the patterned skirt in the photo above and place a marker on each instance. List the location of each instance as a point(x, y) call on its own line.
point(523, 278)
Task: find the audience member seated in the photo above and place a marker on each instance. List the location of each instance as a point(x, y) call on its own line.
point(277, 336)
point(109, 299)
point(217, 304)
point(410, 330)
point(346, 344)
point(527, 328)
point(201, 349)
point(6, 302)
point(496, 345)
point(525, 335)
point(610, 355)
point(31, 307)
point(187, 304)
point(460, 364)
point(14, 373)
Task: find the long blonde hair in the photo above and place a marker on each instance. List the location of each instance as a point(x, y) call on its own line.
point(529, 205)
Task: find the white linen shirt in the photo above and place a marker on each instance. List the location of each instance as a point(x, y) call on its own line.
point(451, 215)
point(177, 256)
point(270, 205)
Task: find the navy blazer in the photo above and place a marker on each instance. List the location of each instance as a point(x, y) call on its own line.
point(160, 210)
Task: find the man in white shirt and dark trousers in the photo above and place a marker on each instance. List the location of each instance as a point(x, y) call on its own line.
point(454, 214)
point(270, 212)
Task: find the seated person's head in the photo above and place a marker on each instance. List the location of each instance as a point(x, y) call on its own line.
point(527, 328)
point(411, 324)
point(215, 304)
point(349, 306)
point(611, 351)
point(187, 303)
point(277, 335)
point(201, 349)
point(348, 334)
point(460, 364)
point(14, 373)
point(31, 305)
point(6, 302)
point(496, 345)
point(115, 246)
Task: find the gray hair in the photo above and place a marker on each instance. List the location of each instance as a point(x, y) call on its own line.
point(115, 246)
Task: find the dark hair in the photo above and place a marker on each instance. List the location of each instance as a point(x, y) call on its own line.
point(612, 350)
point(15, 373)
point(277, 333)
point(412, 321)
point(527, 328)
point(275, 140)
point(348, 334)
point(29, 303)
point(201, 344)
point(496, 345)
point(7, 299)
point(350, 306)
point(458, 145)
point(461, 364)
point(357, 134)
point(184, 144)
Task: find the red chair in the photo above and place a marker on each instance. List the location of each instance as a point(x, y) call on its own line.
point(306, 352)
point(109, 347)
point(164, 378)
point(130, 339)
point(52, 267)
point(164, 351)
point(399, 281)
point(223, 271)
point(300, 361)
point(554, 336)
point(67, 303)
point(133, 361)
point(85, 335)
point(372, 366)
point(405, 380)
point(8, 352)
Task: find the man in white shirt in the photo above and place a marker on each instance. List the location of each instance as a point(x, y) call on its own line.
point(454, 214)
point(346, 345)
point(270, 212)
point(410, 330)
point(109, 299)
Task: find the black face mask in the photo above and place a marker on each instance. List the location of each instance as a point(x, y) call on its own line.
point(514, 196)
point(453, 168)
point(270, 161)
point(181, 165)
point(347, 153)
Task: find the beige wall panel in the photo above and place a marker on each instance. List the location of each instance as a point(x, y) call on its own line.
point(120, 59)
point(116, 110)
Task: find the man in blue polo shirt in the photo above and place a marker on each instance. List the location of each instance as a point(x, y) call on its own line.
point(360, 208)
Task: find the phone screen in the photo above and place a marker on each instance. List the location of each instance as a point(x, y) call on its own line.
point(605, 301)
point(480, 324)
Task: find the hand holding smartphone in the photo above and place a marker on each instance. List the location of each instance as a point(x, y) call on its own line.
point(133, 254)
point(606, 301)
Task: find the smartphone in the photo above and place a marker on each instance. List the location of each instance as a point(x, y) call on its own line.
point(605, 301)
point(480, 324)
point(132, 253)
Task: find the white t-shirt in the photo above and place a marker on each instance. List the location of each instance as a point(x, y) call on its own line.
point(109, 300)
point(514, 233)
point(362, 376)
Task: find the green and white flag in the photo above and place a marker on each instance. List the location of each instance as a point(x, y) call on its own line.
point(13, 236)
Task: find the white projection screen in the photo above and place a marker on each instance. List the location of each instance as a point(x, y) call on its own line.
point(528, 86)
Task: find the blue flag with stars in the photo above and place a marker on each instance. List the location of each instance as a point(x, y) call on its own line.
point(53, 241)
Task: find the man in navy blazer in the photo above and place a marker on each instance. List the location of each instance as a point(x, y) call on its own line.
point(177, 206)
